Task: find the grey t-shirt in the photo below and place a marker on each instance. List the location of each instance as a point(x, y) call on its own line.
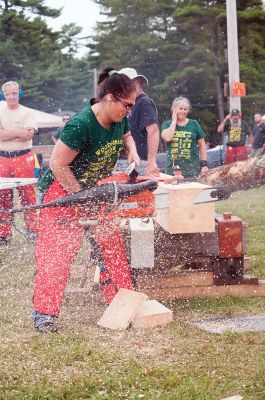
point(144, 113)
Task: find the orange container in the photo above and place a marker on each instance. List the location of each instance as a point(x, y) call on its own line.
point(230, 236)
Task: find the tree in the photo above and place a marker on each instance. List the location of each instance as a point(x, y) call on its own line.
point(181, 46)
point(42, 61)
point(26, 44)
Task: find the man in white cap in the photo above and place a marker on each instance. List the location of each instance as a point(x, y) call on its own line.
point(144, 124)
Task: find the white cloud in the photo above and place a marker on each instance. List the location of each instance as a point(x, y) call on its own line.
point(84, 13)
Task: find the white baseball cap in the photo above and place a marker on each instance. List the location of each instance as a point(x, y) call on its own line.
point(132, 74)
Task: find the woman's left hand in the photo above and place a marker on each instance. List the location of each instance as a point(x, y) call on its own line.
point(133, 156)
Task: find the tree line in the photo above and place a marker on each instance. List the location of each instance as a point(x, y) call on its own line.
point(44, 62)
point(180, 45)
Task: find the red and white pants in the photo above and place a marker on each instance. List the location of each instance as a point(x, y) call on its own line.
point(17, 167)
point(60, 238)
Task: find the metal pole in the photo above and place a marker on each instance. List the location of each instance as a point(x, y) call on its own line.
point(95, 75)
point(232, 46)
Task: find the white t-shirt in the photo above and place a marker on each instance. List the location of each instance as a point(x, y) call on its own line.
point(10, 120)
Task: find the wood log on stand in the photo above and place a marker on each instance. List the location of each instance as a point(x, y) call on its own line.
point(240, 175)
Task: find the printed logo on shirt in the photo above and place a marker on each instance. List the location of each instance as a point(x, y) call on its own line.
point(103, 164)
point(181, 145)
point(235, 134)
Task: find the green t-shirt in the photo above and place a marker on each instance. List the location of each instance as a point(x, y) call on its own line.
point(183, 149)
point(98, 148)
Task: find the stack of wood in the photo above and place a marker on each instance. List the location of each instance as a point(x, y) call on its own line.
point(133, 309)
point(238, 175)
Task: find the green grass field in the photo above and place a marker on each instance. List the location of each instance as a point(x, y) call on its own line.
point(85, 361)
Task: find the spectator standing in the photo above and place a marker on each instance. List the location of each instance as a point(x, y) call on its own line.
point(186, 146)
point(17, 127)
point(144, 124)
point(55, 137)
point(258, 123)
point(239, 136)
point(258, 145)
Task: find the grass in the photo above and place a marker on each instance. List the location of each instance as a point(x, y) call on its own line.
point(175, 362)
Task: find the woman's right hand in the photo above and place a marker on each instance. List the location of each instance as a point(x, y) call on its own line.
point(174, 115)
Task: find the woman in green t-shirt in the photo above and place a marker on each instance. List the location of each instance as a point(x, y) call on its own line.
point(86, 152)
point(186, 147)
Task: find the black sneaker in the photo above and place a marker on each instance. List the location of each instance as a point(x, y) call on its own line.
point(44, 323)
point(47, 327)
point(5, 241)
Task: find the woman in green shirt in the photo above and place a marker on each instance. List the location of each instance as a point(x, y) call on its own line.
point(86, 152)
point(186, 147)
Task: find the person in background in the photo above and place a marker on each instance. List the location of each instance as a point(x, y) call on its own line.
point(55, 137)
point(86, 152)
point(258, 123)
point(258, 145)
point(239, 136)
point(186, 147)
point(144, 124)
point(17, 127)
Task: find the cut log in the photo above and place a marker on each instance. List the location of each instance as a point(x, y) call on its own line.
point(238, 175)
point(122, 309)
point(150, 314)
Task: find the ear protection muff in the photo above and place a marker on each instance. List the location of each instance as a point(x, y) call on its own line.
point(20, 94)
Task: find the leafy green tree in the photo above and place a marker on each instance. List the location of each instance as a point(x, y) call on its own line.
point(42, 61)
point(26, 45)
point(181, 46)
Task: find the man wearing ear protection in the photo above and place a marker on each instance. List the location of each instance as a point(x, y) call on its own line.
point(17, 127)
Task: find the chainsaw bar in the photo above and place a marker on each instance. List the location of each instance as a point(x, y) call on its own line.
point(208, 195)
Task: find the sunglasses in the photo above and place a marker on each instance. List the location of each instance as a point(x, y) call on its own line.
point(128, 106)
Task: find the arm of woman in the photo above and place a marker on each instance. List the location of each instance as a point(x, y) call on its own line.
point(61, 158)
point(168, 133)
point(203, 155)
point(131, 149)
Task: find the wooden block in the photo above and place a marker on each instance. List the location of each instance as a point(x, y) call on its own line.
point(176, 212)
point(250, 279)
point(177, 279)
point(245, 290)
point(150, 314)
point(122, 309)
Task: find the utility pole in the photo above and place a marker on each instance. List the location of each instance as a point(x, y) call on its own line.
point(95, 81)
point(232, 46)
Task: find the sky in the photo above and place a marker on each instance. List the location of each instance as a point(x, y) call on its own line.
point(84, 13)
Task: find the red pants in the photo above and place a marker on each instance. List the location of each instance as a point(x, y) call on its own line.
point(17, 167)
point(235, 154)
point(60, 237)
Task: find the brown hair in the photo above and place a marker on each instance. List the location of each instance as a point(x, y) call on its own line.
point(111, 82)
